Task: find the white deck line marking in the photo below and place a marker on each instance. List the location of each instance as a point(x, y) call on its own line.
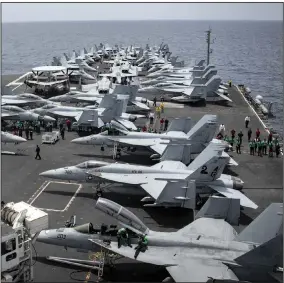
point(37, 191)
point(15, 82)
point(49, 209)
point(42, 189)
point(73, 198)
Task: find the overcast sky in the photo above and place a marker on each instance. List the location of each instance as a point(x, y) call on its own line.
point(36, 12)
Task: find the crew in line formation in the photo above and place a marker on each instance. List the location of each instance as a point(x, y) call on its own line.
point(189, 170)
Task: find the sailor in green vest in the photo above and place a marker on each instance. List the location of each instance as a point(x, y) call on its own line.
point(264, 147)
point(122, 235)
point(142, 245)
point(277, 149)
point(255, 145)
point(259, 148)
point(231, 141)
point(251, 147)
point(270, 149)
point(238, 146)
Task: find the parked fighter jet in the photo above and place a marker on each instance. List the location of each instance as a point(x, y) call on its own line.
point(19, 114)
point(110, 108)
point(10, 138)
point(146, 143)
point(22, 99)
point(167, 181)
point(207, 247)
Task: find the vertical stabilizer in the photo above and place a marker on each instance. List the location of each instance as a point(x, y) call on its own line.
point(209, 164)
point(66, 57)
point(221, 208)
point(266, 256)
point(180, 124)
point(175, 152)
point(213, 84)
point(107, 101)
point(90, 117)
point(204, 78)
point(204, 130)
point(266, 226)
point(74, 55)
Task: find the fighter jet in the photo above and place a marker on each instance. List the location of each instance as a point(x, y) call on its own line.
point(23, 99)
point(110, 109)
point(207, 247)
point(19, 114)
point(167, 181)
point(10, 138)
point(151, 143)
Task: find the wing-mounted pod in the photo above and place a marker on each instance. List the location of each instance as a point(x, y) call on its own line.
point(123, 215)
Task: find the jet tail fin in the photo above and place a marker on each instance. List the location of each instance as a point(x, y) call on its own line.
point(176, 152)
point(180, 124)
point(268, 255)
point(66, 57)
point(221, 208)
point(204, 130)
point(126, 90)
point(209, 164)
point(90, 117)
point(265, 227)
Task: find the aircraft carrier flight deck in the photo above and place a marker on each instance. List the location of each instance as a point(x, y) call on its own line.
point(262, 176)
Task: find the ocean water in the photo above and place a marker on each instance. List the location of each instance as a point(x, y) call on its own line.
point(247, 52)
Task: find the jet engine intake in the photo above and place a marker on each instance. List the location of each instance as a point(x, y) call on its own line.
point(237, 185)
point(143, 100)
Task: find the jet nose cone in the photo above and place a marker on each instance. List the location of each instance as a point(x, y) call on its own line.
point(54, 99)
point(48, 119)
point(80, 141)
point(19, 139)
point(55, 173)
point(43, 236)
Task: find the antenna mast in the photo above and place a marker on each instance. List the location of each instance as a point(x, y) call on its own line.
point(208, 40)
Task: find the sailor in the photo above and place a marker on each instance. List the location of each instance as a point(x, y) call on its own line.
point(144, 129)
point(162, 124)
point(222, 130)
point(68, 124)
point(257, 133)
point(154, 102)
point(27, 131)
point(251, 147)
point(142, 245)
point(123, 235)
point(158, 111)
point(31, 132)
point(162, 106)
point(249, 134)
point(264, 147)
point(230, 83)
point(233, 133)
point(240, 135)
point(107, 126)
point(270, 149)
point(259, 148)
point(247, 120)
point(50, 127)
point(238, 146)
point(270, 137)
point(37, 153)
point(166, 124)
point(104, 228)
point(255, 145)
point(151, 118)
point(277, 149)
point(62, 133)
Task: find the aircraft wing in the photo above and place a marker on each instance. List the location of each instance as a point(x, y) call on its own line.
point(13, 101)
point(159, 148)
point(232, 162)
point(89, 99)
point(47, 83)
point(140, 105)
point(223, 96)
point(178, 90)
point(188, 91)
point(200, 270)
point(135, 141)
point(126, 123)
point(71, 114)
point(231, 193)
point(6, 115)
point(180, 267)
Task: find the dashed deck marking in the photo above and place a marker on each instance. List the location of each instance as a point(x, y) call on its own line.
point(45, 185)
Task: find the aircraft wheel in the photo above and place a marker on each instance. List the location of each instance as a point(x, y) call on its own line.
point(99, 194)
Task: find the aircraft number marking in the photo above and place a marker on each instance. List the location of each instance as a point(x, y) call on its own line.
point(204, 170)
point(136, 171)
point(61, 236)
point(68, 171)
point(214, 172)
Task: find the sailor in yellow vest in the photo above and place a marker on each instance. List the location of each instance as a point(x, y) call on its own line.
point(158, 111)
point(162, 106)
